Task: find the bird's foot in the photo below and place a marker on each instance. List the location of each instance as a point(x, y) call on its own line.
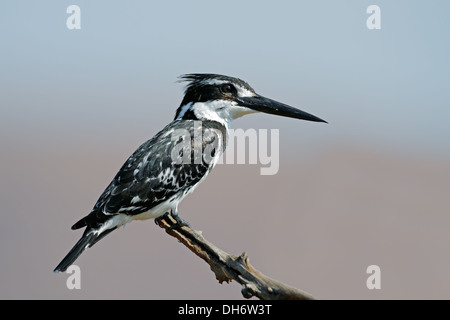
point(158, 219)
point(180, 222)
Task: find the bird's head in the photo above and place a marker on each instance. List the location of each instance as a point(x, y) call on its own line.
point(222, 98)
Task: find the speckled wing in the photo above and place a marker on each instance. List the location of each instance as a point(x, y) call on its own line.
point(166, 166)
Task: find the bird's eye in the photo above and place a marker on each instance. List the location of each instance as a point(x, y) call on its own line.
point(228, 88)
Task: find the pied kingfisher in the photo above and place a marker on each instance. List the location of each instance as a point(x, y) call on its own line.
point(155, 179)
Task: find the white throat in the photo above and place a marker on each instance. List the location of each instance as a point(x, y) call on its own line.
point(222, 111)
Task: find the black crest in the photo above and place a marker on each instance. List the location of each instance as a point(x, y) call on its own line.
point(201, 87)
point(198, 80)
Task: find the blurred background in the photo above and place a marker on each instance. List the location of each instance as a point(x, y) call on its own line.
point(369, 188)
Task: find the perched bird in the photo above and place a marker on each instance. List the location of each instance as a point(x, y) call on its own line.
point(166, 168)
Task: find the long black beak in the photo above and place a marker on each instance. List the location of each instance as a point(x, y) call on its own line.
point(262, 104)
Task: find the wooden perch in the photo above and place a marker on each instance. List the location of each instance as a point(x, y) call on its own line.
point(228, 267)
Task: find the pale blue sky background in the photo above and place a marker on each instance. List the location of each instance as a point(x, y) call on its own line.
point(117, 74)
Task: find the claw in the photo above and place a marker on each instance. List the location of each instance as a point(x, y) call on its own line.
point(158, 219)
point(180, 221)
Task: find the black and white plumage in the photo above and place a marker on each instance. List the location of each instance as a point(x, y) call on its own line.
point(160, 173)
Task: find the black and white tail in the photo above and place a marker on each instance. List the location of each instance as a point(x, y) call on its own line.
point(89, 238)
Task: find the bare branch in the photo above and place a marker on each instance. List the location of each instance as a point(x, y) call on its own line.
point(229, 267)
